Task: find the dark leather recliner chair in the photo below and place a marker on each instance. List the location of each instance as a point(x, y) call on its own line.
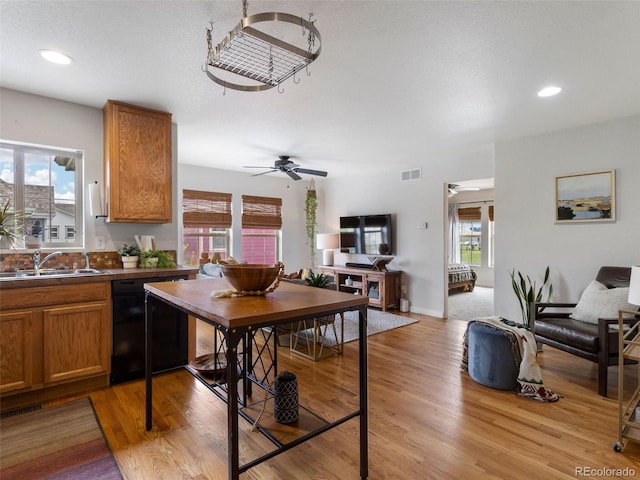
point(597, 343)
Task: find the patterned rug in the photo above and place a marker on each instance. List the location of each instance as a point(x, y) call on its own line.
point(377, 322)
point(62, 442)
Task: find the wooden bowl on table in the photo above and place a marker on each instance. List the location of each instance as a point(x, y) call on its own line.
point(251, 277)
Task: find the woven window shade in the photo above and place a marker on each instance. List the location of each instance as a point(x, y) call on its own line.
point(261, 212)
point(469, 214)
point(206, 209)
point(491, 213)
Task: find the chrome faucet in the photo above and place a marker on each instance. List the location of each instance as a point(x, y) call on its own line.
point(87, 265)
point(37, 263)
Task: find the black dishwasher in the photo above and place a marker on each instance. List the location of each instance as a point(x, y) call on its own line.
point(170, 331)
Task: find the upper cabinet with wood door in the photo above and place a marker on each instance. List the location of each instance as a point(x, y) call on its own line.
point(137, 164)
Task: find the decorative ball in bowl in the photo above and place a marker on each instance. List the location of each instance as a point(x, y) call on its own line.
point(250, 277)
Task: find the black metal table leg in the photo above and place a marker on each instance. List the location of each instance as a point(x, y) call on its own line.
point(247, 365)
point(233, 339)
point(148, 323)
point(364, 415)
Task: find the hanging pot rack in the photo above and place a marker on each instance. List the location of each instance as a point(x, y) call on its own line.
point(258, 56)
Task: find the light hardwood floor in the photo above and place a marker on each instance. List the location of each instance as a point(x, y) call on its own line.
point(428, 420)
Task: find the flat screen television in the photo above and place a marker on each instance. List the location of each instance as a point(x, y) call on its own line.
point(367, 234)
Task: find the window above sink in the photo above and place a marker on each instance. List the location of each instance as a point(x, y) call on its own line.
point(44, 187)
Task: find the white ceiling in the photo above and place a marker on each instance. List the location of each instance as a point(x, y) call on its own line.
point(397, 82)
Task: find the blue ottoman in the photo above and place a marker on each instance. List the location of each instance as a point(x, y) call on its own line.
point(491, 360)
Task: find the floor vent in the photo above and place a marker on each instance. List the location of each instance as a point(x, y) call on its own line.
point(20, 411)
point(408, 175)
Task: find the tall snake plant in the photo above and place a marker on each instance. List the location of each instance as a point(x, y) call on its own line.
point(525, 290)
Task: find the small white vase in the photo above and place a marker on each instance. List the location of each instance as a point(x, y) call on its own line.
point(129, 262)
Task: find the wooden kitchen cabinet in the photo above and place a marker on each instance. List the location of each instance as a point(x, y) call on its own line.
point(75, 341)
point(16, 370)
point(137, 164)
point(55, 341)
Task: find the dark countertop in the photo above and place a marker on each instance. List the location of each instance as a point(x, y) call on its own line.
point(106, 275)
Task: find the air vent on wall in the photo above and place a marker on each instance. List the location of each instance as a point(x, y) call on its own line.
point(408, 175)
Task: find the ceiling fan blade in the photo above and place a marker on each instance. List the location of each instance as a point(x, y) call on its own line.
point(319, 173)
point(254, 166)
point(264, 173)
point(293, 175)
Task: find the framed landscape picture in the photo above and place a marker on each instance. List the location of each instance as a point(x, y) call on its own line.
point(586, 197)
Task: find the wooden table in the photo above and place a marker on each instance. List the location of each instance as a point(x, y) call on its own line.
point(238, 320)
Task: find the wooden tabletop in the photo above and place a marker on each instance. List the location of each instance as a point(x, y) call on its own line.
point(288, 301)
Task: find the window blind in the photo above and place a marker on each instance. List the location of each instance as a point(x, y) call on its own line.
point(206, 209)
point(261, 212)
point(469, 214)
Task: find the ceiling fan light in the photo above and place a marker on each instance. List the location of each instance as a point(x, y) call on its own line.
point(56, 57)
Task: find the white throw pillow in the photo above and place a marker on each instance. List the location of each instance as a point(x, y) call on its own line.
point(598, 301)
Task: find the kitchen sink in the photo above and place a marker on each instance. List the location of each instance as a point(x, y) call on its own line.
point(87, 270)
point(49, 273)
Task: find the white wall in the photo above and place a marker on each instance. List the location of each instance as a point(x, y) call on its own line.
point(527, 237)
point(45, 121)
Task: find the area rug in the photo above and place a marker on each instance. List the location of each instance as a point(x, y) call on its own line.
point(377, 322)
point(61, 442)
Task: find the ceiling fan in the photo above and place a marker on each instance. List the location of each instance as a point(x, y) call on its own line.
point(455, 188)
point(285, 165)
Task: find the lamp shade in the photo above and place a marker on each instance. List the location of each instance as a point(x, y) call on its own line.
point(634, 286)
point(327, 240)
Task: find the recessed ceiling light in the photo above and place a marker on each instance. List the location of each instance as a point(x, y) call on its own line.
point(549, 91)
point(56, 57)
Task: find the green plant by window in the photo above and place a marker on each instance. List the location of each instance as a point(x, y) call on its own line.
point(10, 228)
point(526, 291)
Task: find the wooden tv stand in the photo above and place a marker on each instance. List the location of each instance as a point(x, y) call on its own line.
point(382, 288)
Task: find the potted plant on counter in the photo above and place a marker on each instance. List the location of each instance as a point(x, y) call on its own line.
point(129, 254)
point(156, 258)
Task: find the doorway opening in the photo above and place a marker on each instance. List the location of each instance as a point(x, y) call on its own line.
point(469, 248)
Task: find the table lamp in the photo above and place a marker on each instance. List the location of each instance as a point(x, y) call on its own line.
point(634, 286)
point(327, 242)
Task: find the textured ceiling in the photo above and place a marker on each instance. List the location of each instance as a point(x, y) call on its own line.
point(397, 82)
